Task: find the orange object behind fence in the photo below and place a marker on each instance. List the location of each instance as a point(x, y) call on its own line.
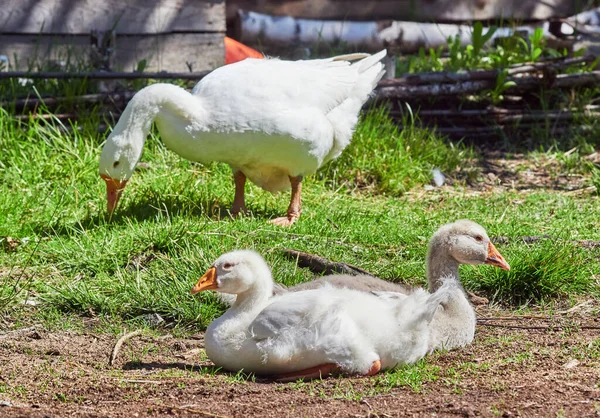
point(236, 51)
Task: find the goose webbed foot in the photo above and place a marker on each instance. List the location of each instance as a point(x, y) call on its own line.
point(293, 212)
point(285, 220)
point(316, 372)
point(237, 211)
point(321, 371)
point(375, 368)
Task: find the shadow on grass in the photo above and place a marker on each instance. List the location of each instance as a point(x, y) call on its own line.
point(145, 209)
point(154, 365)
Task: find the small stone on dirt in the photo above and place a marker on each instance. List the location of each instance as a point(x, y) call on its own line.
point(571, 364)
point(190, 354)
point(179, 346)
point(153, 319)
point(34, 335)
point(5, 403)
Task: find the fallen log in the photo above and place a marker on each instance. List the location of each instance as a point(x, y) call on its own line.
point(414, 10)
point(502, 116)
point(46, 116)
point(402, 36)
point(32, 102)
point(505, 130)
point(321, 265)
point(589, 18)
point(477, 75)
point(522, 85)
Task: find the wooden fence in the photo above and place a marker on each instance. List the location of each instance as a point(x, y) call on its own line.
point(174, 35)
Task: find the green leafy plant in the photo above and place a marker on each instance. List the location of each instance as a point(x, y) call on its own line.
point(502, 84)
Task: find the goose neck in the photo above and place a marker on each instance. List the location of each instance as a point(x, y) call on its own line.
point(153, 101)
point(441, 267)
point(253, 298)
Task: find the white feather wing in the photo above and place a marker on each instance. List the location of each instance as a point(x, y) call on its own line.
point(304, 328)
point(260, 94)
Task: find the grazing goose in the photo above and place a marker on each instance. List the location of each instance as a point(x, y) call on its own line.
point(311, 333)
point(461, 242)
point(272, 121)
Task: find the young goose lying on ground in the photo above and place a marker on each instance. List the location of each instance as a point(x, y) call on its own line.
point(271, 121)
point(311, 333)
point(460, 242)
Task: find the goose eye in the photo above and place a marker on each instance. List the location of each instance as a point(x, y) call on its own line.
point(227, 266)
point(115, 164)
point(478, 238)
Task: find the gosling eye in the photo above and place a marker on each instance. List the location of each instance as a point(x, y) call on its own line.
point(478, 238)
point(115, 164)
point(227, 266)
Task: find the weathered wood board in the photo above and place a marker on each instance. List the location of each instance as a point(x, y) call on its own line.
point(171, 35)
point(127, 17)
point(163, 52)
point(410, 10)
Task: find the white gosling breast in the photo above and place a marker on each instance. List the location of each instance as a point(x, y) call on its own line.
point(329, 328)
point(272, 121)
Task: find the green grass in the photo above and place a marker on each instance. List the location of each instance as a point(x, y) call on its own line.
point(412, 376)
point(388, 160)
point(73, 258)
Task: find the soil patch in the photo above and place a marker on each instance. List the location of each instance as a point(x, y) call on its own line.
point(547, 367)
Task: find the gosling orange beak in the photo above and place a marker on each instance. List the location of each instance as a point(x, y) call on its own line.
point(207, 282)
point(114, 189)
point(495, 259)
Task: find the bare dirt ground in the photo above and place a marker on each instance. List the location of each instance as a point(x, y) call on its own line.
point(547, 367)
point(526, 174)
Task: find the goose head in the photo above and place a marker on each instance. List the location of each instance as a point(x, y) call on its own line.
point(467, 243)
point(237, 272)
point(123, 147)
point(117, 163)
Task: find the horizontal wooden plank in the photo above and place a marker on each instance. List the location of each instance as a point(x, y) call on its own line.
point(128, 17)
point(164, 52)
point(409, 10)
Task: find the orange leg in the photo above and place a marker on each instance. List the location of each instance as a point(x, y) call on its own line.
point(239, 204)
point(316, 372)
point(321, 371)
point(293, 212)
point(375, 368)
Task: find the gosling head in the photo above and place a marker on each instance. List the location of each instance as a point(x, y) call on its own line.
point(468, 243)
point(236, 272)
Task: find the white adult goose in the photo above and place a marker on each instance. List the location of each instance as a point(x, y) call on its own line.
point(272, 121)
point(311, 333)
point(460, 242)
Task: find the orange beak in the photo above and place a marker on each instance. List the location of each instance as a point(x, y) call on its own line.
point(207, 282)
point(495, 259)
point(114, 189)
